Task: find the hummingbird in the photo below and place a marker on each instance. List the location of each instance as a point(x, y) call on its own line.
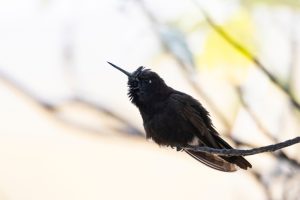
point(175, 119)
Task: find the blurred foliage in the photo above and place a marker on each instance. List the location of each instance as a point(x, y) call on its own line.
point(290, 3)
point(218, 53)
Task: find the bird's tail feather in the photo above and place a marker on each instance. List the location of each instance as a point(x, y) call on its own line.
point(238, 160)
point(213, 161)
point(222, 163)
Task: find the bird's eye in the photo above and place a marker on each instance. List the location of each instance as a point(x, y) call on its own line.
point(147, 81)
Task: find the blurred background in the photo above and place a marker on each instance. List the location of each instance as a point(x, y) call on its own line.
point(68, 130)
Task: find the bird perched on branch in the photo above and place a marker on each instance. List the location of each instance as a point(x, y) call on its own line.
point(173, 118)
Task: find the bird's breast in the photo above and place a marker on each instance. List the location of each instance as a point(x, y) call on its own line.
point(167, 127)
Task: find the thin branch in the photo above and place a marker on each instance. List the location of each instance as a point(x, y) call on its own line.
point(240, 48)
point(248, 152)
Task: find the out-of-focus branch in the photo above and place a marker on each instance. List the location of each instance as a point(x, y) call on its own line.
point(48, 108)
point(135, 131)
point(183, 66)
point(258, 177)
point(264, 130)
point(240, 48)
point(25, 91)
point(248, 152)
point(258, 123)
point(54, 109)
point(71, 79)
point(196, 87)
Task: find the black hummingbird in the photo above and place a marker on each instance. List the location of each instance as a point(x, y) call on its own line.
point(176, 119)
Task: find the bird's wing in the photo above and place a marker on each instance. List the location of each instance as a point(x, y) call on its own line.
point(196, 115)
point(193, 112)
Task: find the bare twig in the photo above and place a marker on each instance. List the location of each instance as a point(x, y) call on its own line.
point(248, 152)
point(240, 48)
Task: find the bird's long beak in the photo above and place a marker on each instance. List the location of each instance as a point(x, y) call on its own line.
point(122, 70)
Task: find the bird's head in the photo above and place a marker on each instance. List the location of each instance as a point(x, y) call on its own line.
point(144, 85)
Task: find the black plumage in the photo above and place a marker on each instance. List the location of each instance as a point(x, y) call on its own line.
point(173, 118)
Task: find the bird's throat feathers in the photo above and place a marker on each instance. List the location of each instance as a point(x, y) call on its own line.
point(146, 88)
